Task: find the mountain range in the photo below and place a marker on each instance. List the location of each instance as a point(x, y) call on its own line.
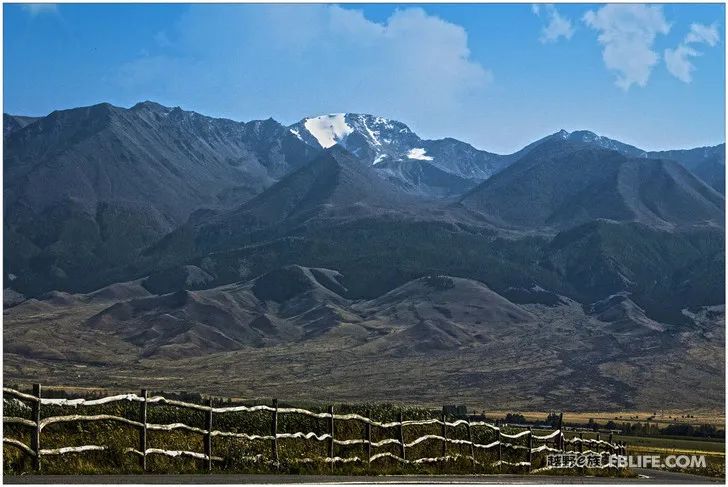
point(181, 235)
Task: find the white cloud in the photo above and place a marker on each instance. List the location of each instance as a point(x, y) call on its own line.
point(246, 61)
point(707, 34)
point(558, 25)
point(678, 60)
point(40, 8)
point(627, 33)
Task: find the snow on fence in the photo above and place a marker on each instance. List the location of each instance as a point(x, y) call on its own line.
point(555, 438)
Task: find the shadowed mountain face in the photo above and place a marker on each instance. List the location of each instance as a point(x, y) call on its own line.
point(333, 182)
point(707, 163)
point(422, 178)
point(334, 186)
point(11, 123)
point(559, 185)
point(86, 189)
point(147, 154)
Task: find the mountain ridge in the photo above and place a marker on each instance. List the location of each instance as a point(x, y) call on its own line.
point(77, 180)
point(579, 133)
point(298, 192)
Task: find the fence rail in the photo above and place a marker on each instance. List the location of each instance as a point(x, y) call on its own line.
point(34, 450)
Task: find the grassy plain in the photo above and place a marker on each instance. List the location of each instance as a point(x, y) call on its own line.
point(693, 417)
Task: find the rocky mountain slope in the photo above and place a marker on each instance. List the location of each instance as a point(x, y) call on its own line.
point(379, 141)
point(330, 208)
point(11, 123)
point(149, 234)
point(707, 163)
point(88, 188)
point(560, 184)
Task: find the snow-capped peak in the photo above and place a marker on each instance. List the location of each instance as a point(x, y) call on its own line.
point(373, 139)
point(328, 129)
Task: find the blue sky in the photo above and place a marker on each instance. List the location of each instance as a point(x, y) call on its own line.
point(498, 76)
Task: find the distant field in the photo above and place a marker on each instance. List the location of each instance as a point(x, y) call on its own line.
point(716, 417)
point(714, 451)
point(673, 445)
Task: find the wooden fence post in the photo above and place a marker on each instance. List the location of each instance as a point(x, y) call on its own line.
point(500, 450)
point(208, 436)
point(581, 442)
point(143, 429)
point(472, 447)
point(561, 434)
point(443, 433)
point(368, 433)
point(331, 434)
point(611, 438)
point(596, 445)
point(401, 436)
point(274, 432)
point(530, 449)
point(35, 439)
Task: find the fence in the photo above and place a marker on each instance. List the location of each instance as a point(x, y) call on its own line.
point(553, 442)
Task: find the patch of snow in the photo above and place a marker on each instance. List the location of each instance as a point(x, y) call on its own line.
point(419, 154)
point(328, 129)
point(379, 159)
point(296, 133)
point(371, 134)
